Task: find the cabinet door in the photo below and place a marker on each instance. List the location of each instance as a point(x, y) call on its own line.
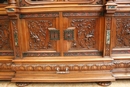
point(83, 34)
point(40, 35)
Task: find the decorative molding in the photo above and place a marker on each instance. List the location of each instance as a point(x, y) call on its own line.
point(80, 14)
point(40, 15)
point(121, 64)
point(71, 67)
point(121, 52)
point(82, 53)
point(122, 14)
point(6, 53)
point(52, 54)
point(4, 17)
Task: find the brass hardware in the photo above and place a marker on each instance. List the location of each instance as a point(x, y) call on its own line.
point(62, 72)
point(69, 33)
point(108, 37)
point(54, 34)
point(16, 39)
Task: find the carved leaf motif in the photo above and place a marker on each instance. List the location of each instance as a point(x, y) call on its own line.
point(39, 34)
point(85, 33)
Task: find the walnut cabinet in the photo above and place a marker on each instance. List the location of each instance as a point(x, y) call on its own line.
point(64, 41)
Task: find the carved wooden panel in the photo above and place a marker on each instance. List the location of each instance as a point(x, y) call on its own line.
point(85, 29)
point(122, 33)
point(39, 38)
point(5, 36)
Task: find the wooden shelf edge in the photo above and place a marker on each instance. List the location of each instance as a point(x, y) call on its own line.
point(61, 59)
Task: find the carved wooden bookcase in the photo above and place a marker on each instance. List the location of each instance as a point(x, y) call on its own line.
point(64, 41)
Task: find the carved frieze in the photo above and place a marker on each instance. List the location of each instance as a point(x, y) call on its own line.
point(40, 15)
point(122, 14)
point(122, 32)
point(71, 67)
point(52, 54)
point(39, 34)
point(78, 14)
point(82, 53)
point(85, 33)
point(5, 35)
point(6, 53)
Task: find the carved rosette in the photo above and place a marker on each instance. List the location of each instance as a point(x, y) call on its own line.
point(123, 33)
point(108, 36)
point(15, 36)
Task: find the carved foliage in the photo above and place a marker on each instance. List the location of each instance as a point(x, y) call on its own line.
point(4, 35)
point(85, 33)
point(15, 32)
point(122, 32)
point(38, 37)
